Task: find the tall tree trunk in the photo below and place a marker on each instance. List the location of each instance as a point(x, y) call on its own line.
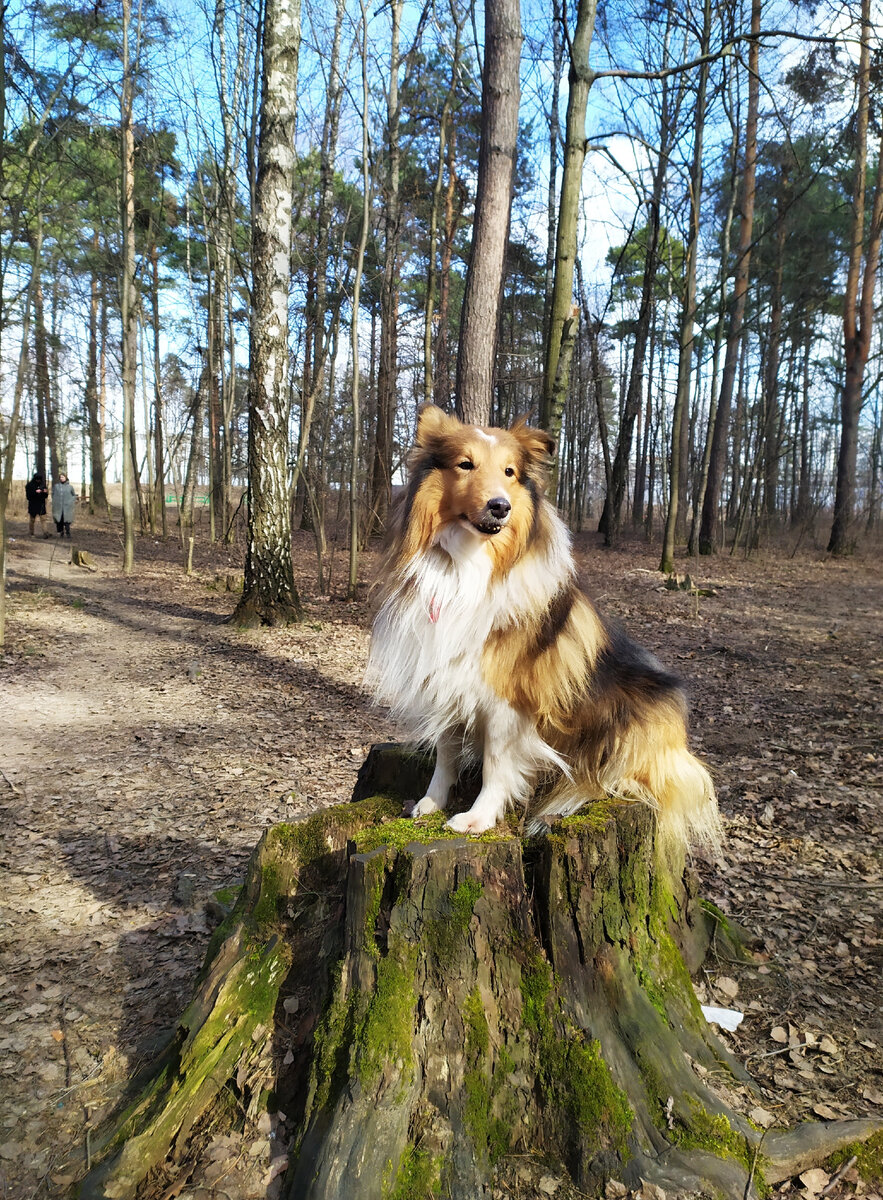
point(579, 82)
point(269, 596)
point(98, 490)
point(7, 452)
point(353, 565)
point(771, 389)
point(128, 296)
point(158, 423)
point(678, 461)
point(718, 455)
point(445, 133)
point(480, 320)
point(41, 378)
point(443, 375)
point(858, 303)
point(387, 374)
point(554, 137)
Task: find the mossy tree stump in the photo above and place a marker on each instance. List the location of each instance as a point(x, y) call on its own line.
point(423, 1007)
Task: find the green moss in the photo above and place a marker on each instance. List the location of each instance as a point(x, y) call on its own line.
point(375, 876)
point(727, 937)
point(595, 816)
point(571, 1068)
point(402, 831)
point(869, 1158)
point(386, 1030)
point(310, 840)
point(445, 935)
point(331, 1045)
point(228, 895)
point(712, 1132)
point(656, 959)
point(491, 1133)
point(267, 906)
point(418, 1176)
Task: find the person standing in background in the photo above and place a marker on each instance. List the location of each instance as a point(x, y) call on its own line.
point(63, 500)
point(36, 492)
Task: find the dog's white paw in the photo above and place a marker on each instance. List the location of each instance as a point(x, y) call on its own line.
point(425, 806)
point(472, 822)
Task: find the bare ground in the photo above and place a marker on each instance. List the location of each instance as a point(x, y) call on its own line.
point(145, 744)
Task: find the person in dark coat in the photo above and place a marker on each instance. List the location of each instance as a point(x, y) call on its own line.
point(63, 500)
point(36, 492)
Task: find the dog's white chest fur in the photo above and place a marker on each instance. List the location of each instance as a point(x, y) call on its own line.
point(425, 659)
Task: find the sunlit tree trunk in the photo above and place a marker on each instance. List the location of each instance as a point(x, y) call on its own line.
point(98, 491)
point(480, 321)
point(158, 423)
point(353, 575)
point(269, 596)
point(678, 460)
point(128, 297)
point(387, 374)
point(858, 303)
point(718, 452)
point(579, 79)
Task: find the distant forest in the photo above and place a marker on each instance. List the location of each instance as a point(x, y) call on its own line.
point(688, 224)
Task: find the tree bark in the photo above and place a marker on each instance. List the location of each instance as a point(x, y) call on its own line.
point(678, 460)
point(269, 596)
point(480, 319)
point(128, 291)
point(858, 303)
point(718, 453)
point(98, 491)
point(579, 83)
point(388, 367)
point(409, 997)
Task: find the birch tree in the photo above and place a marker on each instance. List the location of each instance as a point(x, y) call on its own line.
point(269, 596)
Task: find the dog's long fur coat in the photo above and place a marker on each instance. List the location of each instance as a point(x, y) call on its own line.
point(485, 647)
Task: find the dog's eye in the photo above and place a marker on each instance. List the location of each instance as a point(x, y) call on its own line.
point(466, 465)
point(510, 471)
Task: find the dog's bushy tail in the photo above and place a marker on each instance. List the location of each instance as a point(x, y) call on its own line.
point(677, 786)
point(686, 802)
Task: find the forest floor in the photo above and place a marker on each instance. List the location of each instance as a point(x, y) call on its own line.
point(145, 744)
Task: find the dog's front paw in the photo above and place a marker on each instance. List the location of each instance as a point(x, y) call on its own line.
point(425, 806)
point(473, 821)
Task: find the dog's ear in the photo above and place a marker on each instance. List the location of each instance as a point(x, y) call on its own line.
point(432, 422)
point(538, 446)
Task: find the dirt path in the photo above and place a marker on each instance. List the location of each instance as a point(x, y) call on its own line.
point(144, 746)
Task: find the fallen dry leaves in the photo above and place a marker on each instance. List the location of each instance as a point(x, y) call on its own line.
point(146, 745)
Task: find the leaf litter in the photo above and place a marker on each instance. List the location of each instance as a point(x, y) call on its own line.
point(148, 744)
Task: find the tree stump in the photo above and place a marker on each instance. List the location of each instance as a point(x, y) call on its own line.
point(427, 1010)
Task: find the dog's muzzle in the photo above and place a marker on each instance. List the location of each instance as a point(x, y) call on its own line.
point(494, 516)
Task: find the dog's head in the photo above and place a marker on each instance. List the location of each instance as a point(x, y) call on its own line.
point(489, 481)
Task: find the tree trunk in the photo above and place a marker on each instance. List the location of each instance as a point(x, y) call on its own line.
point(128, 294)
point(359, 267)
point(158, 423)
point(579, 83)
point(387, 374)
point(678, 460)
point(413, 1000)
point(480, 320)
point(858, 303)
point(269, 596)
point(98, 491)
point(718, 453)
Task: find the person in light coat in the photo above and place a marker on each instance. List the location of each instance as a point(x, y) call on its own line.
point(63, 500)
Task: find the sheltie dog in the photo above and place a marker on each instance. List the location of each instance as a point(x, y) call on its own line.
point(486, 648)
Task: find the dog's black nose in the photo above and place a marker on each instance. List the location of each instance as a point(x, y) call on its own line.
point(499, 507)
